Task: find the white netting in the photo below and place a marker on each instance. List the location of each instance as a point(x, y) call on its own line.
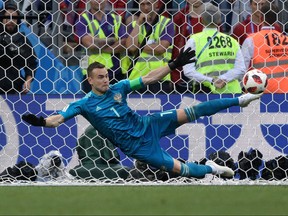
point(255, 138)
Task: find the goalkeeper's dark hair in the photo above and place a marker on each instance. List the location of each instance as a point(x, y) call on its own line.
point(270, 13)
point(93, 66)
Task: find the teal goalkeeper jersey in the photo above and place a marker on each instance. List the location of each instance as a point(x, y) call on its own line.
point(111, 116)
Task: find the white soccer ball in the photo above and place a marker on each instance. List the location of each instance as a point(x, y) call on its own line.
point(255, 81)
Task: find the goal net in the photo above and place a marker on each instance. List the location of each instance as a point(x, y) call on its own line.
point(252, 141)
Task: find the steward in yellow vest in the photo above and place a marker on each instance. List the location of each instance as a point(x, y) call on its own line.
point(146, 61)
point(103, 35)
point(158, 47)
point(220, 65)
point(96, 30)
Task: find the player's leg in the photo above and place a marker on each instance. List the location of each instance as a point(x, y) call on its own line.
point(191, 169)
point(150, 152)
point(211, 107)
point(161, 159)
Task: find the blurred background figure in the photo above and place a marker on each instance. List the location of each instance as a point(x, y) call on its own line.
point(17, 58)
point(119, 7)
point(252, 23)
point(226, 7)
point(103, 34)
point(187, 22)
point(71, 10)
point(132, 13)
point(158, 46)
point(220, 64)
point(267, 50)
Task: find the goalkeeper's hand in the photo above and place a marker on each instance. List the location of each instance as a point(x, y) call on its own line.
point(185, 57)
point(34, 120)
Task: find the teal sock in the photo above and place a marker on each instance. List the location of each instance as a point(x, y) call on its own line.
point(208, 108)
point(191, 169)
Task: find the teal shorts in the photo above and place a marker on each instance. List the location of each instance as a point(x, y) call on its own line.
point(150, 151)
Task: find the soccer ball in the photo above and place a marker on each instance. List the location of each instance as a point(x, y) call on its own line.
point(255, 81)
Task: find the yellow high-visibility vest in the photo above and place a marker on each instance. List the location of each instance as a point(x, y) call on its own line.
point(217, 58)
point(94, 27)
point(147, 62)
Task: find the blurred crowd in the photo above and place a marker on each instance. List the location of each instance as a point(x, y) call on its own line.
point(133, 37)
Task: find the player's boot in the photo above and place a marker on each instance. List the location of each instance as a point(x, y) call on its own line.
point(223, 171)
point(245, 99)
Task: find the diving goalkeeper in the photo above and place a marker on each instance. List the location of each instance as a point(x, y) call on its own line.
point(106, 108)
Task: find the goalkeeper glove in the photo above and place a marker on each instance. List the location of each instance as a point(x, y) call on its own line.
point(182, 59)
point(34, 120)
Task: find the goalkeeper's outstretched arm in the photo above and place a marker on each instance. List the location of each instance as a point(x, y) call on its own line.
point(185, 57)
point(51, 121)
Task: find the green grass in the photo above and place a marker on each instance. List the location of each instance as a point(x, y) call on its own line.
point(144, 200)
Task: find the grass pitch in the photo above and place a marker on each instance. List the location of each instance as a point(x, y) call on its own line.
point(144, 200)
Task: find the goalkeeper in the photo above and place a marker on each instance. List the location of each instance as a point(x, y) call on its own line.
point(106, 108)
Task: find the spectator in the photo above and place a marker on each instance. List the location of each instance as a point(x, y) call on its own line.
point(226, 8)
point(103, 34)
point(133, 12)
point(220, 64)
point(187, 22)
point(17, 58)
point(179, 4)
point(252, 23)
point(284, 15)
point(169, 7)
point(71, 10)
point(241, 10)
point(157, 50)
point(267, 50)
point(43, 8)
point(119, 7)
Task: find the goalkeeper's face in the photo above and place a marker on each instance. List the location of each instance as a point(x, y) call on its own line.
point(99, 80)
